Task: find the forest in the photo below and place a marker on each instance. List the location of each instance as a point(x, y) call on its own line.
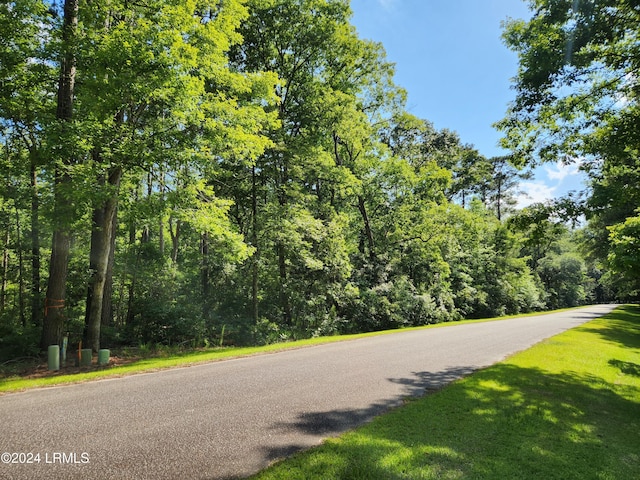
point(205, 172)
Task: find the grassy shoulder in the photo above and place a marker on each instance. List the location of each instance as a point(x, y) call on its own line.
point(17, 383)
point(568, 408)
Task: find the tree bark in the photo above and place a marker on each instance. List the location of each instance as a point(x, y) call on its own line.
point(61, 242)
point(284, 293)
point(101, 243)
point(287, 316)
point(131, 290)
point(107, 304)
point(254, 242)
point(161, 219)
point(175, 239)
point(205, 273)
point(36, 318)
point(54, 301)
point(367, 227)
point(21, 300)
point(5, 270)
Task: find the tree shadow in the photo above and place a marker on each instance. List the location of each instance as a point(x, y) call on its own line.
point(628, 368)
point(503, 422)
point(332, 422)
point(336, 422)
point(428, 382)
point(620, 327)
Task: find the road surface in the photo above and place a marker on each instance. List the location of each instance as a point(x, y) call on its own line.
point(232, 418)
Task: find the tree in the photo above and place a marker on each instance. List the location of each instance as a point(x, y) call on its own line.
point(577, 98)
point(299, 195)
point(25, 103)
point(624, 256)
point(142, 90)
point(245, 171)
point(503, 183)
point(540, 230)
point(162, 100)
point(576, 76)
point(61, 242)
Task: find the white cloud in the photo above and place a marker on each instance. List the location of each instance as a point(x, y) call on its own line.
point(550, 182)
point(534, 192)
point(559, 171)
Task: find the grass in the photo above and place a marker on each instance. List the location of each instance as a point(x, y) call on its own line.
point(568, 408)
point(13, 383)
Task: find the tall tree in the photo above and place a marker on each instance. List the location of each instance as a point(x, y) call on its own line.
point(577, 75)
point(158, 85)
point(577, 98)
point(624, 256)
point(502, 185)
point(61, 242)
point(316, 54)
point(26, 97)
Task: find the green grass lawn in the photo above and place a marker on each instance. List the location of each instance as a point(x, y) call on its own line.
point(13, 383)
point(568, 408)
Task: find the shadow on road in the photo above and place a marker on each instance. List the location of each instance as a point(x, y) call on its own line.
point(336, 422)
point(426, 382)
point(506, 421)
point(565, 424)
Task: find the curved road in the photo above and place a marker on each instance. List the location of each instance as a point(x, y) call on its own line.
point(232, 418)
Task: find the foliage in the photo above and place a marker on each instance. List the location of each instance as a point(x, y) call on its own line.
point(624, 256)
point(249, 167)
point(577, 101)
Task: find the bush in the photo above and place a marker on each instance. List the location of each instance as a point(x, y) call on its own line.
point(17, 342)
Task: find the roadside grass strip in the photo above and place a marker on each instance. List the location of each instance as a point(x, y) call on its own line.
point(14, 383)
point(568, 408)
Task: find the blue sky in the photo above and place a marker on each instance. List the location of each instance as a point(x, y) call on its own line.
point(451, 60)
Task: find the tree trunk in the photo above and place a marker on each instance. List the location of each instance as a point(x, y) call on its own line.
point(175, 239)
point(101, 243)
point(281, 251)
point(205, 274)
point(5, 270)
point(367, 227)
point(499, 197)
point(54, 301)
point(21, 300)
point(61, 242)
point(131, 290)
point(107, 305)
point(254, 242)
point(161, 219)
point(284, 294)
point(36, 318)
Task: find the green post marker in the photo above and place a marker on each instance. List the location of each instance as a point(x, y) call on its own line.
point(63, 352)
point(85, 357)
point(53, 360)
point(103, 356)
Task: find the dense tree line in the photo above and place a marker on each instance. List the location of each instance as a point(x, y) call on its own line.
point(191, 172)
point(577, 101)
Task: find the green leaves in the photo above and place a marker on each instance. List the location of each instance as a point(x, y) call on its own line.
point(624, 256)
point(574, 59)
point(267, 176)
point(577, 98)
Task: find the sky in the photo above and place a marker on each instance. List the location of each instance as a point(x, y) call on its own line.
point(450, 58)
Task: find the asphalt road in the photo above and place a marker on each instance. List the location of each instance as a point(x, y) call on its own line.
point(232, 418)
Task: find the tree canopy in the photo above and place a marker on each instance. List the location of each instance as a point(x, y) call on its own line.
point(202, 172)
point(577, 101)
